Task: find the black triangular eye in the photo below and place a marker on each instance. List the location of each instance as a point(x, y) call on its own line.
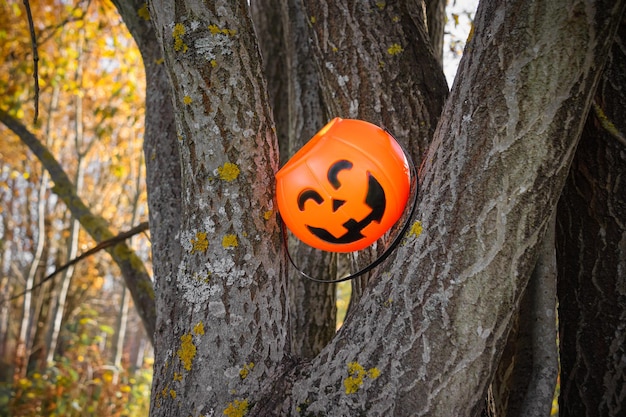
point(337, 203)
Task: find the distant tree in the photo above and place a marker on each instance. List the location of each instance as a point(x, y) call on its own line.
point(88, 144)
point(591, 247)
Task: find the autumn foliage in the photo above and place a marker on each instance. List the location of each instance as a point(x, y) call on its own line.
point(59, 342)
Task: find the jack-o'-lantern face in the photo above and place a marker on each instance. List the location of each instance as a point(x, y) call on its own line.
point(366, 202)
point(345, 188)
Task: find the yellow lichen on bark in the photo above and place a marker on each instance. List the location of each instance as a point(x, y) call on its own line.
point(228, 172)
point(200, 243)
point(357, 375)
point(237, 408)
point(216, 30)
point(198, 329)
point(143, 12)
point(416, 229)
point(187, 351)
point(230, 241)
point(177, 34)
point(394, 49)
point(245, 371)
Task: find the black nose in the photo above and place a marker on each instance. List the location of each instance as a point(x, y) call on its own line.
point(337, 204)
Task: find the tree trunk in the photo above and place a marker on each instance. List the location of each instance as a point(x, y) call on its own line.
point(436, 22)
point(228, 328)
point(23, 349)
point(121, 322)
point(427, 334)
point(592, 255)
point(72, 249)
point(525, 381)
point(163, 172)
point(296, 100)
point(432, 328)
point(376, 64)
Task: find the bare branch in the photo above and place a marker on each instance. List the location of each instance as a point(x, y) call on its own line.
point(141, 227)
point(33, 42)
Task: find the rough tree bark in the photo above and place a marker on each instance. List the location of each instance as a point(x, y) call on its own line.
point(525, 381)
point(427, 334)
point(592, 255)
point(436, 23)
point(376, 63)
point(228, 328)
point(435, 324)
point(295, 97)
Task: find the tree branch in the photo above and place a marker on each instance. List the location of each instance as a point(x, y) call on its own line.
point(100, 246)
point(33, 39)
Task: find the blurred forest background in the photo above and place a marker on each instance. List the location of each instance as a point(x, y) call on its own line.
point(73, 344)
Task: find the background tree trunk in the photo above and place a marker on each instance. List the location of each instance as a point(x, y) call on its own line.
point(72, 249)
point(132, 268)
point(376, 63)
point(592, 255)
point(24, 339)
point(162, 158)
point(436, 23)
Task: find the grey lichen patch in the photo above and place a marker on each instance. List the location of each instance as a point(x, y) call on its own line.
point(226, 269)
point(197, 288)
point(216, 44)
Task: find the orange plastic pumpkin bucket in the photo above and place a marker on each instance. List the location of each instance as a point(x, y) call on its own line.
point(345, 188)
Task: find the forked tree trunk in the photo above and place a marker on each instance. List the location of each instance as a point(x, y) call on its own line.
point(427, 334)
point(492, 180)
